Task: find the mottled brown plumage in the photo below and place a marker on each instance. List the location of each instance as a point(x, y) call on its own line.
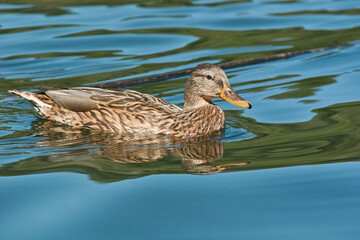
point(130, 112)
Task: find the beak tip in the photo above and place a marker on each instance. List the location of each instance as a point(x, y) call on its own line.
point(250, 106)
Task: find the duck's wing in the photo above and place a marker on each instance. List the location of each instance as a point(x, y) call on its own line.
point(74, 100)
point(123, 111)
point(121, 99)
point(118, 111)
point(82, 99)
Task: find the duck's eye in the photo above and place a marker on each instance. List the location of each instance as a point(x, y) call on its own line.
point(209, 77)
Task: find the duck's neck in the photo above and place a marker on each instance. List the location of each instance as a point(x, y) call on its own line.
point(194, 101)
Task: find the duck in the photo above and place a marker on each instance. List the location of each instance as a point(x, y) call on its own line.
point(125, 111)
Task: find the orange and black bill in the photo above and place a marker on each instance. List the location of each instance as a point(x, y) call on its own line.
point(228, 94)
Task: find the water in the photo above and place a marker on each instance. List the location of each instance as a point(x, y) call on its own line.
point(286, 169)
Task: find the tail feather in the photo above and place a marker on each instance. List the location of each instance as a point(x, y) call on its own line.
point(41, 107)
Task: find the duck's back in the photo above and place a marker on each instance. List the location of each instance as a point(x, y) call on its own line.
point(122, 111)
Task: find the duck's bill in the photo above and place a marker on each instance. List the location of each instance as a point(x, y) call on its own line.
point(228, 94)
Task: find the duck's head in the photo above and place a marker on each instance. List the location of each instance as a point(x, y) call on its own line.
point(208, 81)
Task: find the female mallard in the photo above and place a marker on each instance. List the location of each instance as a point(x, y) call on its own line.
point(130, 112)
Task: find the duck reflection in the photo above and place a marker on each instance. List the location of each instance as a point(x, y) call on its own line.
point(197, 154)
point(108, 157)
point(197, 157)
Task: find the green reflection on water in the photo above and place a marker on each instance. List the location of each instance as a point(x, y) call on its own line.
point(53, 7)
point(48, 11)
point(302, 88)
point(320, 12)
point(333, 135)
point(298, 38)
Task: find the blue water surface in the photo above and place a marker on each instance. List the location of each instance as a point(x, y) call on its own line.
point(286, 169)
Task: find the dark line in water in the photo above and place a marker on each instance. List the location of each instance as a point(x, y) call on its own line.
point(232, 64)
